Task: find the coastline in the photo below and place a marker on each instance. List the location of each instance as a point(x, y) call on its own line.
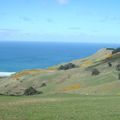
point(19, 56)
point(6, 74)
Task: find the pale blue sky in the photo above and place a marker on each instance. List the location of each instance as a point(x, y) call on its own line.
point(60, 20)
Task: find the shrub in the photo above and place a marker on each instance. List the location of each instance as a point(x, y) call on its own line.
point(13, 95)
point(95, 72)
point(110, 48)
point(31, 91)
point(43, 84)
point(118, 67)
point(116, 50)
point(109, 64)
point(119, 76)
point(1, 94)
point(72, 87)
point(67, 66)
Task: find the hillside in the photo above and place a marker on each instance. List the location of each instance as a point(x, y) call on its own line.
point(78, 80)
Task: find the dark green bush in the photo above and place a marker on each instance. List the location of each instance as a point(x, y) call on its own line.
point(116, 50)
point(109, 64)
point(119, 76)
point(43, 84)
point(110, 48)
point(118, 67)
point(67, 66)
point(95, 72)
point(31, 91)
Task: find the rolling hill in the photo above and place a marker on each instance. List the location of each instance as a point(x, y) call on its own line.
point(78, 80)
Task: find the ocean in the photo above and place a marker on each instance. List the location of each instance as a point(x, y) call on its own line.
point(18, 56)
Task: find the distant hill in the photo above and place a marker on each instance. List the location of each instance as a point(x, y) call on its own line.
point(78, 80)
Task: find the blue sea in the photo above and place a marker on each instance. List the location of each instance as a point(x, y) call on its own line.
point(17, 56)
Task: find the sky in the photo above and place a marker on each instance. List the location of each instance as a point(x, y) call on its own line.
point(60, 20)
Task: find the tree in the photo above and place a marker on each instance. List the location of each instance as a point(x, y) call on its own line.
point(67, 66)
point(95, 72)
point(109, 64)
point(31, 91)
point(116, 50)
point(119, 76)
point(43, 84)
point(118, 67)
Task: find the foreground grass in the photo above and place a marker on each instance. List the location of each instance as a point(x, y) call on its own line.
point(60, 107)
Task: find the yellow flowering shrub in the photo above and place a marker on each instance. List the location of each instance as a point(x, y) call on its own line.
point(86, 64)
point(109, 55)
point(52, 68)
point(72, 87)
point(29, 72)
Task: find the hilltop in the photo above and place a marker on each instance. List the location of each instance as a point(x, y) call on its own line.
point(78, 80)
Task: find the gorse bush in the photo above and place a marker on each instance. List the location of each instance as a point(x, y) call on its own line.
point(119, 76)
point(109, 64)
point(43, 84)
point(72, 87)
point(95, 72)
point(67, 66)
point(118, 67)
point(31, 91)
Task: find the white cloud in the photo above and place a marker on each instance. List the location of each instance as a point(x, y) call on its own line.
point(63, 2)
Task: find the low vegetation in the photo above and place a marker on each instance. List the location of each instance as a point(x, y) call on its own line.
point(95, 72)
point(67, 66)
point(109, 64)
point(31, 91)
point(110, 48)
point(116, 50)
point(118, 67)
point(119, 76)
point(72, 87)
point(43, 84)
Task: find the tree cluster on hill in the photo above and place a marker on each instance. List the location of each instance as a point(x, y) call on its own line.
point(67, 66)
point(116, 50)
point(110, 48)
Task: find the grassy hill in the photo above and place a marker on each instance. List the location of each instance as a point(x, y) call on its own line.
point(73, 94)
point(78, 80)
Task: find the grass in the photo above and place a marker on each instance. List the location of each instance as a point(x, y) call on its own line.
point(100, 100)
point(60, 107)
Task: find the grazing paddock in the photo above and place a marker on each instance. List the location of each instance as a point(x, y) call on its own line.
point(60, 107)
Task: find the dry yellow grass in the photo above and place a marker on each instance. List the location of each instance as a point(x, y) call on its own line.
point(30, 101)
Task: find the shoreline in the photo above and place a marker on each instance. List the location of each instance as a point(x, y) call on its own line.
point(6, 74)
